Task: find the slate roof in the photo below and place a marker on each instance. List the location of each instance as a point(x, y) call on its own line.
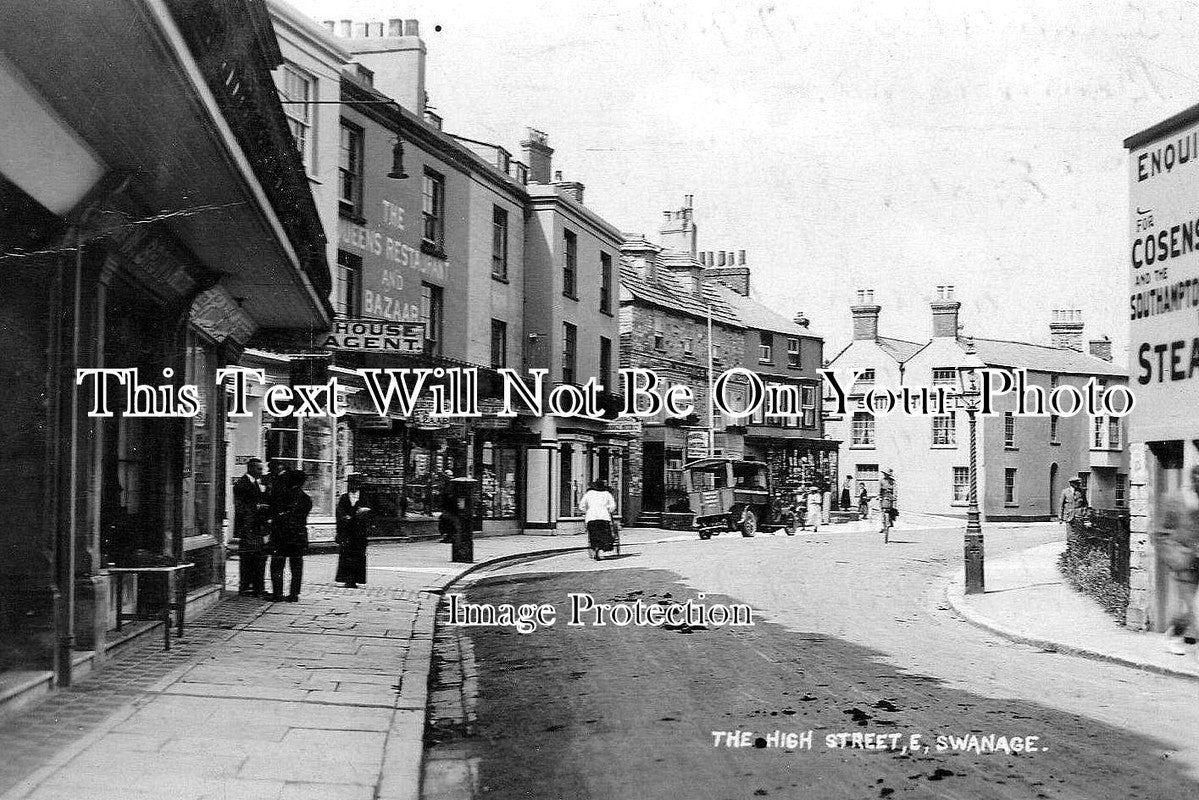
point(899, 349)
point(1042, 358)
point(672, 292)
point(755, 315)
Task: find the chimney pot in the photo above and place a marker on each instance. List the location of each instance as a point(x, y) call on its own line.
point(720, 259)
point(1066, 328)
point(347, 28)
point(395, 27)
point(360, 30)
point(740, 256)
point(411, 27)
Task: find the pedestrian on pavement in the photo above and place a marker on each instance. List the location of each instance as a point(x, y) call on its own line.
point(814, 507)
point(250, 509)
point(847, 493)
point(353, 527)
point(887, 504)
point(597, 507)
point(863, 502)
point(1177, 537)
point(289, 532)
point(1073, 503)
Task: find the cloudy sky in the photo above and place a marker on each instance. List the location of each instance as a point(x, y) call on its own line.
point(885, 146)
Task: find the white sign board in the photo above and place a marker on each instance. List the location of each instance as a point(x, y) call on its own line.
point(1164, 286)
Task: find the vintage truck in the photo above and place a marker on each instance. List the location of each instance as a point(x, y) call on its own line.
point(728, 495)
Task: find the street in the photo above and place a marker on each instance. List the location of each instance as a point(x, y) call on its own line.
point(851, 637)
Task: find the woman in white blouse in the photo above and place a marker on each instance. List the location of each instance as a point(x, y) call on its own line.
point(597, 507)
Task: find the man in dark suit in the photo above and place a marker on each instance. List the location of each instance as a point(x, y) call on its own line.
point(353, 527)
point(249, 522)
point(288, 525)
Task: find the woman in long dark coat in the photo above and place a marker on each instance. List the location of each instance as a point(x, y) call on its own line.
point(352, 530)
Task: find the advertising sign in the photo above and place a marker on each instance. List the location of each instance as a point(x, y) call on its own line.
point(375, 336)
point(697, 444)
point(1164, 285)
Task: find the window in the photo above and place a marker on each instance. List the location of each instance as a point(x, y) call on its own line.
point(605, 283)
point(347, 293)
point(793, 359)
point(499, 344)
point(945, 376)
point(570, 336)
point(659, 340)
point(1121, 497)
point(765, 346)
point(961, 484)
point(864, 382)
point(1009, 486)
point(1053, 429)
point(863, 429)
point(433, 208)
point(432, 311)
point(307, 443)
point(1052, 382)
point(944, 430)
point(499, 243)
point(570, 267)
point(350, 170)
point(297, 92)
point(1113, 433)
point(605, 371)
point(1097, 437)
point(1009, 429)
point(807, 404)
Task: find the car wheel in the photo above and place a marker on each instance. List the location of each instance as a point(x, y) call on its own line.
point(705, 535)
point(749, 522)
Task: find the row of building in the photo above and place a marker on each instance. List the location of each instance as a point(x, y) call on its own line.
point(211, 184)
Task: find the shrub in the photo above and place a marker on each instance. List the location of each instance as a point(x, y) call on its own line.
point(1088, 570)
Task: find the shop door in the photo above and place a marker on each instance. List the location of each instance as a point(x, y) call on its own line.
point(653, 484)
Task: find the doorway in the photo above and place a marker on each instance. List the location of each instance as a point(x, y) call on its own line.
point(1054, 503)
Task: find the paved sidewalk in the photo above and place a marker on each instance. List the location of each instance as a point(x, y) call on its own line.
point(324, 699)
point(1028, 601)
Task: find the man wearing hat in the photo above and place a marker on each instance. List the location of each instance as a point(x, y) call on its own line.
point(352, 529)
point(1073, 502)
point(887, 503)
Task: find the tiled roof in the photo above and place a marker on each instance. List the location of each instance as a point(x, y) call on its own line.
point(1042, 358)
point(755, 315)
point(670, 291)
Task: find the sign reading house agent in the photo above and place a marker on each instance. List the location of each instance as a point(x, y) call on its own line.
point(1164, 282)
point(375, 336)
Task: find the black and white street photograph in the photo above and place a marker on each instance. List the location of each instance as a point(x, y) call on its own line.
point(637, 400)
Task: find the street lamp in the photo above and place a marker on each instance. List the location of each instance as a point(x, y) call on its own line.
point(970, 396)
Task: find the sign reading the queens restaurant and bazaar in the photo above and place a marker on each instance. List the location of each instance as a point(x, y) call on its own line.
point(1164, 285)
point(374, 336)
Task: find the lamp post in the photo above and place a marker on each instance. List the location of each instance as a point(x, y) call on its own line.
point(969, 397)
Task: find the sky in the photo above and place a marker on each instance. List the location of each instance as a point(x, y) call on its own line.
point(895, 147)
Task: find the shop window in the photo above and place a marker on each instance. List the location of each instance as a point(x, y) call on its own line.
point(498, 481)
point(427, 472)
point(307, 443)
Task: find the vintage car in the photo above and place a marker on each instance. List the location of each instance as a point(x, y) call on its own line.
point(728, 495)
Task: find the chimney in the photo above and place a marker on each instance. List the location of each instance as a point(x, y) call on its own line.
point(396, 55)
point(1065, 328)
point(571, 189)
point(678, 229)
point(1101, 348)
point(538, 155)
point(865, 316)
point(800, 319)
point(945, 313)
point(741, 257)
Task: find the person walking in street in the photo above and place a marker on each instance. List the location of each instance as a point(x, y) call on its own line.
point(250, 508)
point(289, 532)
point(353, 527)
point(863, 502)
point(597, 507)
point(847, 494)
point(826, 501)
point(887, 504)
point(1177, 538)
